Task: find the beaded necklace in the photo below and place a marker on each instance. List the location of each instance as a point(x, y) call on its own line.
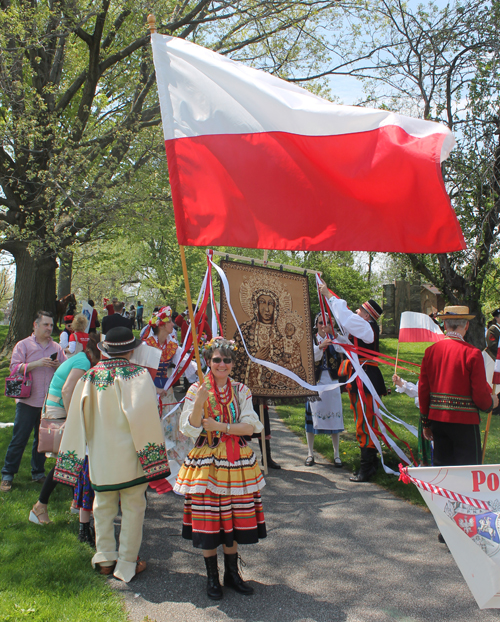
point(221, 401)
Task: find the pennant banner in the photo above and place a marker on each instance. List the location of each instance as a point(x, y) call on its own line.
point(258, 162)
point(465, 503)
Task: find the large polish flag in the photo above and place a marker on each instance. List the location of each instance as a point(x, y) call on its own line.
point(417, 327)
point(257, 162)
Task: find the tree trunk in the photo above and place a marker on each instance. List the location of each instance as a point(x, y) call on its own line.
point(475, 334)
point(65, 274)
point(35, 290)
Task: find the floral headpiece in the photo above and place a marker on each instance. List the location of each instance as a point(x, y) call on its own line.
point(217, 342)
point(160, 318)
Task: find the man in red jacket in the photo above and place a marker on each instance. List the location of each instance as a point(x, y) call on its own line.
point(452, 389)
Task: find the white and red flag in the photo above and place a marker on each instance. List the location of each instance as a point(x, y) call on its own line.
point(465, 503)
point(416, 327)
point(496, 372)
point(255, 161)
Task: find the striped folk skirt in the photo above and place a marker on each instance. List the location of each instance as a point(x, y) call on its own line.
point(222, 498)
point(210, 520)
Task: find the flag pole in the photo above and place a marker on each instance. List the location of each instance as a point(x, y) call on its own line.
point(152, 29)
point(261, 413)
point(193, 329)
point(396, 363)
point(487, 428)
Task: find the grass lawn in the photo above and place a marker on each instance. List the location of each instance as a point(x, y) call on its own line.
point(45, 573)
point(399, 405)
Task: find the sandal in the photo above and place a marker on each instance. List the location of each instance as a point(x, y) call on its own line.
point(310, 461)
point(337, 462)
point(39, 516)
point(106, 569)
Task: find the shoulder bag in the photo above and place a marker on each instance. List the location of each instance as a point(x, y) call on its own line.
point(18, 385)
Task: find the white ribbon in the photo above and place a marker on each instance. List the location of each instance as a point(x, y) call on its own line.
point(171, 412)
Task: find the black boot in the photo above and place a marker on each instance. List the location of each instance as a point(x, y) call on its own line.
point(270, 462)
point(214, 589)
point(86, 534)
point(366, 468)
point(232, 576)
point(372, 454)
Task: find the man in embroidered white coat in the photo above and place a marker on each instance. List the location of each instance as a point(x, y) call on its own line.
point(113, 412)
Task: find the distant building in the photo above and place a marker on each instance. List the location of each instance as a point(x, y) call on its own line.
point(404, 296)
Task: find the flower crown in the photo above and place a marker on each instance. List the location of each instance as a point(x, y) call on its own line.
point(163, 316)
point(215, 342)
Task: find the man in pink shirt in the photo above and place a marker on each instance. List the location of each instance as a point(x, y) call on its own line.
point(35, 353)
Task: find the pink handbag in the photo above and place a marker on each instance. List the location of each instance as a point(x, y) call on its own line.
point(17, 385)
point(50, 435)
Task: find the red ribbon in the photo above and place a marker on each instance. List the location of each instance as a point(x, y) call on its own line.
point(232, 446)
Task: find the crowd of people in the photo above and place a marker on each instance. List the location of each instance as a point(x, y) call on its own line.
point(124, 429)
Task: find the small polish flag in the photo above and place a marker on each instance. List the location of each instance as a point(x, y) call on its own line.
point(416, 327)
point(496, 373)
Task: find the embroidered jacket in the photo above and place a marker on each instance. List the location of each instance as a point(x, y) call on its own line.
point(113, 410)
point(452, 385)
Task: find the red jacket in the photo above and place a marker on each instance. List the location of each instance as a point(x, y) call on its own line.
point(452, 386)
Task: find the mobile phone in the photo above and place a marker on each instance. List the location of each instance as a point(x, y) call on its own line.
point(53, 356)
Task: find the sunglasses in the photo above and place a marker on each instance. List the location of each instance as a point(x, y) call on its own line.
point(218, 359)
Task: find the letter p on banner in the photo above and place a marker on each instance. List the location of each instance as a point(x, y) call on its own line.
point(478, 478)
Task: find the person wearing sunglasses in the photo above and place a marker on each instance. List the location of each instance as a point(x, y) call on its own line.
point(325, 416)
point(221, 479)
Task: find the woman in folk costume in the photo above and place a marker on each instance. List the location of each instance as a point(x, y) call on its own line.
point(161, 335)
point(222, 480)
point(113, 411)
point(324, 416)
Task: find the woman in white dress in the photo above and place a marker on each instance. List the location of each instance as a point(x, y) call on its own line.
point(324, 415)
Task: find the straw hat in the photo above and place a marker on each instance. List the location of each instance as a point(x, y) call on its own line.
point(457, 312)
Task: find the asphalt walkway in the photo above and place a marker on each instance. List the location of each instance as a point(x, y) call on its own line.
point(335, 551)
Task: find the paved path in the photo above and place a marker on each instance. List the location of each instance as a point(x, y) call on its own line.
point(335, 551)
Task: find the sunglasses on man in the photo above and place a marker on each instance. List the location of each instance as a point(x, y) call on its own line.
point(218, 359)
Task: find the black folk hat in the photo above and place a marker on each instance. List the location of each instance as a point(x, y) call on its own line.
point(372, 308)
point(118, 341)
point(495, 313)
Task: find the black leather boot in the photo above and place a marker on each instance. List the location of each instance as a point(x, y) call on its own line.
point(214, 589)
point(372, 453)
point(366, 469)
point(270, 462)
point(86, 534)
point(232, 576)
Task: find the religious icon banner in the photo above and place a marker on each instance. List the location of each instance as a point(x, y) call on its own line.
point(273, 312)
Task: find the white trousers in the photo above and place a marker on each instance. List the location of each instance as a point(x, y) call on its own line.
point(133, 507)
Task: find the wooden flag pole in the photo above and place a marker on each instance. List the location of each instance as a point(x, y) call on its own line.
point(261, 414)
point(193, 330)
point(152, 29)
point(396, 363)
point(487, 428)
